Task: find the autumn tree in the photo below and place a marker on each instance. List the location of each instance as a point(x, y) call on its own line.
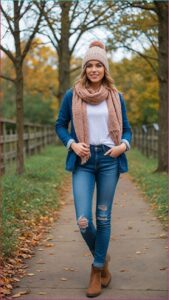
point(67, 22)
point(135, 79)
point(14, 14)
point(146, 23)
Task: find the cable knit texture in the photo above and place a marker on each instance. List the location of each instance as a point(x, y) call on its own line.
point(96, 51)
point(81, 96)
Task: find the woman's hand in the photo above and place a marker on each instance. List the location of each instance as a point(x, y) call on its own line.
point(81, 149)
point(115, 151)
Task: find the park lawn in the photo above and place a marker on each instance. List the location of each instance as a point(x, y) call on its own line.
point(27, 198)
point(36, 193)
point(154, 185)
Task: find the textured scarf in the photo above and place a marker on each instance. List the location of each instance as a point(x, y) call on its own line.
point(82, 96)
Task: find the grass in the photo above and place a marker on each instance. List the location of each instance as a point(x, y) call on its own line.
point(31, 195)
point(35, 193)
point(153, 184)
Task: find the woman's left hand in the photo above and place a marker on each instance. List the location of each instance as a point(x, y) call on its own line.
point(115, 151)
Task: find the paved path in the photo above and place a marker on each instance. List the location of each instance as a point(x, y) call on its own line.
point(138, 254)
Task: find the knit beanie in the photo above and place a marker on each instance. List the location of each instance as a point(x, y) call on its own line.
point(96, 51)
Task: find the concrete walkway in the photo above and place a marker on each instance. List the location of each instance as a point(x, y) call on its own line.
point(138, 250)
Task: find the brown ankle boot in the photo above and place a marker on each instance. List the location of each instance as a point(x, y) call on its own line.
point(105, 274)
point(94, 288)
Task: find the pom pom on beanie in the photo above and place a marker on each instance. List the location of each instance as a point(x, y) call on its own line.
point(97, 44)
point(96, 51)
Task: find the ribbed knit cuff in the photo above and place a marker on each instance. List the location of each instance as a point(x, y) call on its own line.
point(127, 144)
point(69, 143)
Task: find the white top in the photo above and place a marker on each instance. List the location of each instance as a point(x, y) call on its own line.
point(98, 124)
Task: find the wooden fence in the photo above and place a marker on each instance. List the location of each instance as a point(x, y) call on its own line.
point(36, 137)
point(145, 138)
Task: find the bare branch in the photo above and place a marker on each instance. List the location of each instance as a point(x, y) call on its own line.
point(145, 6)
point(45, 14)
point(28, 44)
point(152, 43)
point(7, 17)
point(74, 10)
point(7, 78)
point(146, 57)
point(8, 53)
point(21, 4)
point(24, 12)
point(75, 69)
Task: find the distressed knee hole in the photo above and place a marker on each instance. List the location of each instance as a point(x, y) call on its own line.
point(82, 222)
point(102, 207)
point(102, 218)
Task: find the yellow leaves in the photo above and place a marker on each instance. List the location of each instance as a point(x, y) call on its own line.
point(40, 71)
point(135, 78)
point(15, 268)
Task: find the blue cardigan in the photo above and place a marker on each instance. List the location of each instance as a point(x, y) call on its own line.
point(61, 129)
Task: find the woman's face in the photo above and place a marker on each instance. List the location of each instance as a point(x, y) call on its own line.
point(95, 71)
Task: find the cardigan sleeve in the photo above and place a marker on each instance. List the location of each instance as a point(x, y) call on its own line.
point(62, 122)
point(127, 132)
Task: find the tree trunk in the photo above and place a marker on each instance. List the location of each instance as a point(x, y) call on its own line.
point(19, 121)
point(163, 86)
point(19, 91)
point(64, 51)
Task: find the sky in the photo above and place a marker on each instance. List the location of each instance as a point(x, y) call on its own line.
point(95, 34)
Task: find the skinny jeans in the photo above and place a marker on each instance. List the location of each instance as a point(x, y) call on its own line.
point(103, 172)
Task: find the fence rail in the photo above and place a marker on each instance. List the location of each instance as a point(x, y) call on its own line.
point(36, 137)
point(145, 138)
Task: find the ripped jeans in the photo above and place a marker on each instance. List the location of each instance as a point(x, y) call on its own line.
point(102, 171)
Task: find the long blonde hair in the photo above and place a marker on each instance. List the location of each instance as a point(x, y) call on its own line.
point(107, 80)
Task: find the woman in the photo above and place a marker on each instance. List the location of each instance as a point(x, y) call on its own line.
point(100, 134)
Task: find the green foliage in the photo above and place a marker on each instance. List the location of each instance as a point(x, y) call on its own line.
point(139, 85)
point(31, 195)
point(37, 110)
point(152, 183)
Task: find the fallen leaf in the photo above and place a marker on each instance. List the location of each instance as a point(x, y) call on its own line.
point(5, 292)
point(86, 254)
point(49, 239)
point(163, 236)
point(49, 245)
point(16, 279)
point(63, 279)
point(9, 286)
point(21, 293)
